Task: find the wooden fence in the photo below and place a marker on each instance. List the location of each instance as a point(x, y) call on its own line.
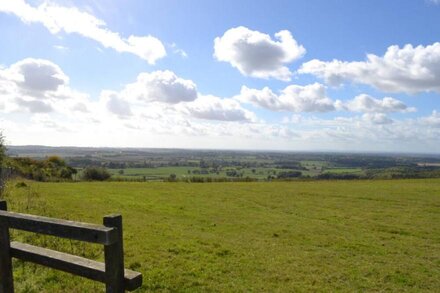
point(111, 272)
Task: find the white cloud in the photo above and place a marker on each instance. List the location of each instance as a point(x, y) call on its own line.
point(255, 54)
point(116, 105)
point(37, 76)
point(313, 98)
point(294, 98)
point(214, 108)
point(34, 106)
point(432, 120)
point(162, 95)
point(408, 69)
point(181, 53)
point(38, 86)
point(69, 20)
point(178, 51)
point(60, 115)
point(366, 103)
point(60, 48)
point(376, 118)
point(160, 86)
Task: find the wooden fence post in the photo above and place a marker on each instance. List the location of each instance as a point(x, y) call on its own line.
point(6, 279)
point(114, 257)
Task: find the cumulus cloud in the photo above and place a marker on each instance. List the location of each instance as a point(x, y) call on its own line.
point(214, 108)
point(408, 69)
point(37, 76)
point(256, 54)
point(313, 98)
point(70, 20)
point(294, 98)
point(162, 94)
point(366, 103)
point(34, 106)
point(116, 105)
point(161, 86)
point(156, 116)
point(38, 86)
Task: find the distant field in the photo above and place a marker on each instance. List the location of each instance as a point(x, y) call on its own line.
point(313, 169)
point(325, 236)
point(184, 172)
point(357, 171)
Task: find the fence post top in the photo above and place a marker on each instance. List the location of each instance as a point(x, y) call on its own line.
point(3, 205)
point(114, 220)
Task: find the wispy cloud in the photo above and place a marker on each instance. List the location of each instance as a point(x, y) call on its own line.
point(70, 20)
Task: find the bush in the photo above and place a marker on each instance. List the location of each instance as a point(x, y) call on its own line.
point(20, 184)
point(95, 174)
point(289, 174)
point(2, 149)
point(172, 178)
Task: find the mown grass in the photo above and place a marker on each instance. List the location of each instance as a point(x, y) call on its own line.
point(263, 236)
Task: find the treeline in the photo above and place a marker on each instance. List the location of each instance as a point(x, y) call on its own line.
point(415, 172)
point(51, 169)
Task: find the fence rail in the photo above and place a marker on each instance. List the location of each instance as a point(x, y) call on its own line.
point(111, 272)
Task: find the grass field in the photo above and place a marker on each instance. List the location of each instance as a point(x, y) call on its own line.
point(346, 236)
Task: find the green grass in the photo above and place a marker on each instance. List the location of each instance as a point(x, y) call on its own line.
point(326, 236)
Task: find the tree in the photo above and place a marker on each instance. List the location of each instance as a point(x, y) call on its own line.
point(2, 159)
point(95, 173)
point(2, 149)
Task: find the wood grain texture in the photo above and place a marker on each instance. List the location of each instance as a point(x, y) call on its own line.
point(71, 264)
point(6, 278)
point(60, 228)
point(114, 257)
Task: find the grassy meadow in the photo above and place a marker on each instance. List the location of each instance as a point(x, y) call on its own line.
point(319, 236)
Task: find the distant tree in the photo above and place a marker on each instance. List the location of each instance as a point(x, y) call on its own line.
point(289, 174)
point(172, 178)
point(232, 173)
point(55, 160)
point(121, 172)
point(95, 174)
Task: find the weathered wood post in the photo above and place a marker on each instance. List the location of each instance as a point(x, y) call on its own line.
point(114, 257)
point(6, 279)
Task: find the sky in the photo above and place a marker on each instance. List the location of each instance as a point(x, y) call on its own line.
point(345, 76)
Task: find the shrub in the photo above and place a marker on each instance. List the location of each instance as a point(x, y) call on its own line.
point(95, 173)
point(289, 174)
point(172, 178)
point(20, 184)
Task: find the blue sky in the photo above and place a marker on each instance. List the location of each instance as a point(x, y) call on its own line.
point(284, 75)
